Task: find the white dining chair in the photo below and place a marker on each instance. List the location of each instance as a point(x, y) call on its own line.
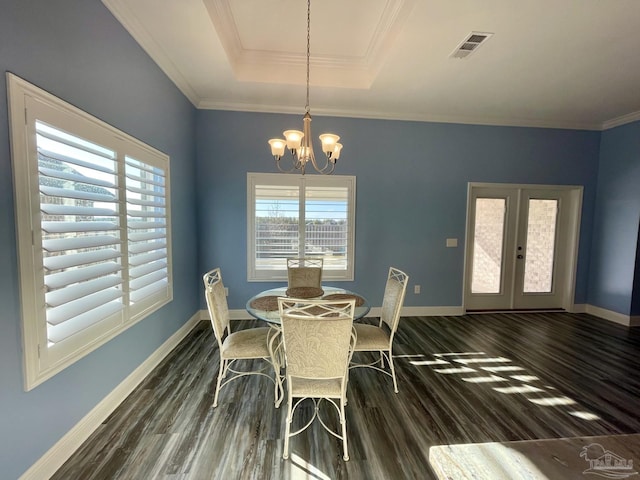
point(318, 339)
point(242, 345)
point(379, 338)
point(304, 277)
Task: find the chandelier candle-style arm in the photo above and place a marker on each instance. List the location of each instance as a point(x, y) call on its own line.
point(299, 142)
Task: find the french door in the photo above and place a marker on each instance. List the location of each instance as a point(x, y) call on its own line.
point(521, 246)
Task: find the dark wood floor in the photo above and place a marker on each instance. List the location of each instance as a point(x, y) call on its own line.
point(480, 378)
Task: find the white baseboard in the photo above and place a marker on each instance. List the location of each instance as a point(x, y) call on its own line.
point(620, 318)
point(626, 320)
point(51, 461)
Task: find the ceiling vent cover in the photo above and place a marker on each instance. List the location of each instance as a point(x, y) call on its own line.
point(470, 44)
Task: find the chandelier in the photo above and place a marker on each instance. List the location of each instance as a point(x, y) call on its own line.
point(298, 143)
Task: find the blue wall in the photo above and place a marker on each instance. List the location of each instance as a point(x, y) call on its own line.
point(77, 50)
point(411, 178)
point(411, 192)
point(615, 237)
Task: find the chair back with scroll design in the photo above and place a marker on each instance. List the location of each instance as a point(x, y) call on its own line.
point(305, 277)
point(318, 338)
point(249, 344)
point(379, 338)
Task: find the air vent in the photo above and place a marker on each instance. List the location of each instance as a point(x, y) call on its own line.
point(470, 44)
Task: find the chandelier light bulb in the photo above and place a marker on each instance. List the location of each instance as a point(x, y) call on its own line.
point(277, 147)
point(294, 139)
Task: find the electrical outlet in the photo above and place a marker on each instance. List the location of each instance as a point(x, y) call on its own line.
point(416, 289)
point(226, 291)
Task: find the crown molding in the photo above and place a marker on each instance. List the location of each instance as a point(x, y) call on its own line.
point(123, 13)
point(382, 115)
point(622, 120)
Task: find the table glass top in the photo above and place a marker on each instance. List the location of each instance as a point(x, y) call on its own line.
point(273, 316)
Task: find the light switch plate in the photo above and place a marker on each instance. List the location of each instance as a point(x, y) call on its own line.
point(452, 242)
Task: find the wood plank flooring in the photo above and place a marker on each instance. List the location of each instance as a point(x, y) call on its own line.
point(469, 379)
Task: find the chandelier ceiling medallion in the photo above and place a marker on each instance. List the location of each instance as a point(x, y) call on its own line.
point(299, 142)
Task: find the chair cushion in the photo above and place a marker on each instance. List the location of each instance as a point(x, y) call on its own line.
point(249, 343)
point(370, 337)
point(303, 387)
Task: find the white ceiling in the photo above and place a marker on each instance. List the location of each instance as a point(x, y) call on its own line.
point(549, 63)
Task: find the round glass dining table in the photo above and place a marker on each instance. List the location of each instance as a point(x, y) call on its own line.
point(264, 305)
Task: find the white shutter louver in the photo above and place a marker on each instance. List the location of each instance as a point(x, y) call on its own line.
point(147, 229)
point(277, 225)
point(80, 232)
point(327, 225)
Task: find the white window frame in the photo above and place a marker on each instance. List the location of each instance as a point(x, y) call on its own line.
point(27, 104)
point(300, 181)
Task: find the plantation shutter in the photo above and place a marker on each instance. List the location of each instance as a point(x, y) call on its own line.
point(277, 217)
point(327, 225)
point(147, 230)
point(80, 232)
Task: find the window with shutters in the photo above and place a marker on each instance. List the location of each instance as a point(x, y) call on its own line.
point(300, 216)
point(92, 218)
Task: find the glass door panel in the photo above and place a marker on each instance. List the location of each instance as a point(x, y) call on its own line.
point(488, 245)
point(540, 248)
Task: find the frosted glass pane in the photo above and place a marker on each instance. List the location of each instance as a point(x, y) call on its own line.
point(487, 245)
point(541, 239)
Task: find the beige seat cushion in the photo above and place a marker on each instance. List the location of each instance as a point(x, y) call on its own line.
point(249, 343)
point(370, 337)
point(302, 387)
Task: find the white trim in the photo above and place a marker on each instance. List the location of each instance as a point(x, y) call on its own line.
point(619, 318)
point(51, 461)
point(622, 120)
point(208, 104)
point(578, 308)
point(453, 311)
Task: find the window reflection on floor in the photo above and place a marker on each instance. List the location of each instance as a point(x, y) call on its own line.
point(522, 383)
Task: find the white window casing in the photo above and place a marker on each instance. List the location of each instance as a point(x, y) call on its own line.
point(291, 216)
point(93, 229)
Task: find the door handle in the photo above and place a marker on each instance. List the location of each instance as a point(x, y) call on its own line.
point(520, 257)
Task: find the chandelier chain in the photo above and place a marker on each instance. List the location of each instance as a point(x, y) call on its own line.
point(308, 49)
point(299, 143)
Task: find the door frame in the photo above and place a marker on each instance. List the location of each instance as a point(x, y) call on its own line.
point(573, 215)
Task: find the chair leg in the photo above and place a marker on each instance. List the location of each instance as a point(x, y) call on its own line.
point(343, 424)
point(287, 429)
point(393, 372)
point(221, 374)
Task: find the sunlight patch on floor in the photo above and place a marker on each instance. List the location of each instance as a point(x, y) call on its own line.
point(457, 354)
point(518, 389)
point(489, 379)
point(525, 378)
point(429, 362)
point(552, 401)
point(450, 371)
point(487, 374)
point(301, 469)
point(482, 360)
point(504, 368)
point(585, 415)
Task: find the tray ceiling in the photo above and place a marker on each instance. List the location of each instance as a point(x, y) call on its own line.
point(549, 63)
